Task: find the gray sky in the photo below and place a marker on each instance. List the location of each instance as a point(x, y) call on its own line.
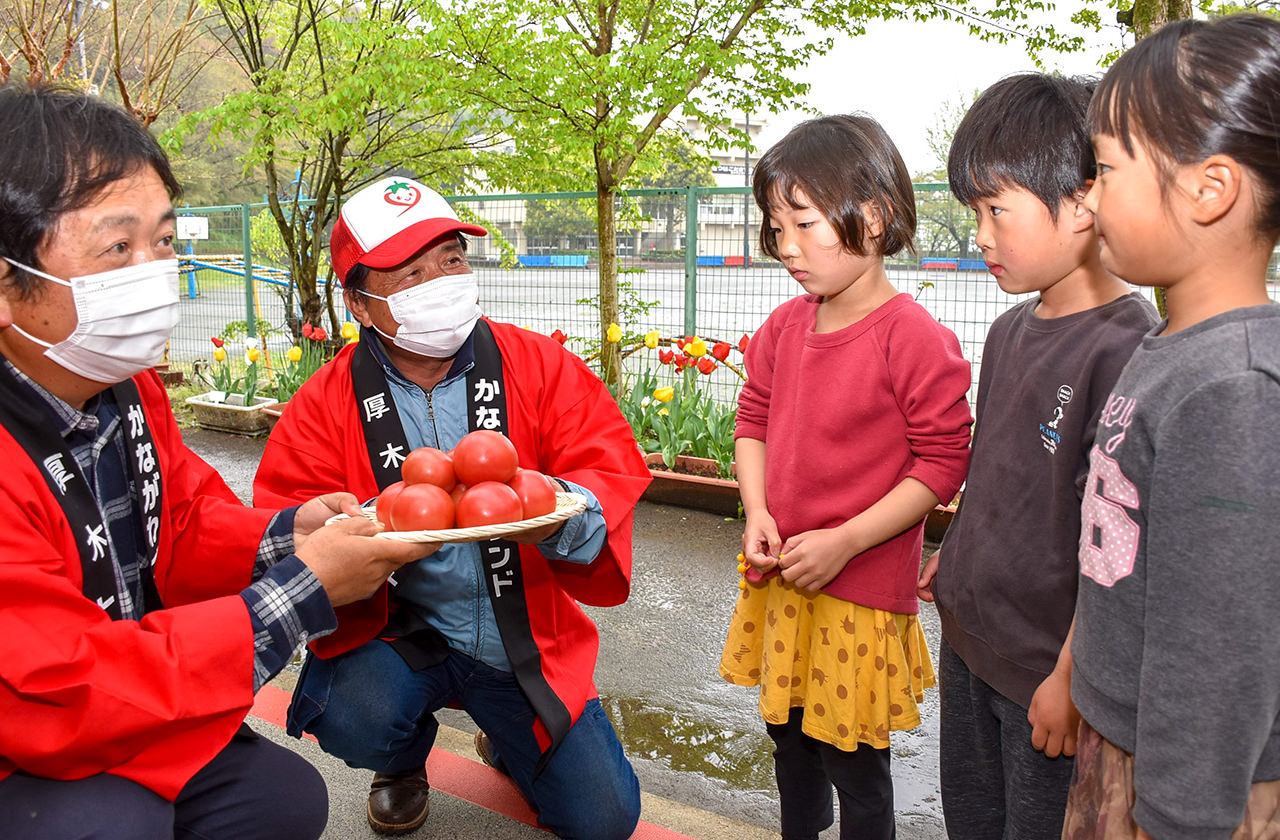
point(902, 73)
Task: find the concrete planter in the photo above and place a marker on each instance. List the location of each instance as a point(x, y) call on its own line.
point(935, 526)
point(170, 378)
point(228, 413)
point(694, 483)
point(274, 413)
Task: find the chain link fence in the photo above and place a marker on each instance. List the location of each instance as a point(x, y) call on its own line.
point(689, 264)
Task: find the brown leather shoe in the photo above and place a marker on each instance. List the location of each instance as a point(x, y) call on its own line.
point(398, 801)
point(482, 748)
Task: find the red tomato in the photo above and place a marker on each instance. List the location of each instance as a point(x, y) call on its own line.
point(426, 465)
point(488, 503)
point(537, 493)
point(484, 455)
point(386, 500)
point(456, 493)
point(422, 507)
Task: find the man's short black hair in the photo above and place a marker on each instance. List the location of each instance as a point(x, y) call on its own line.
point(62, 148)
point(1027, 130)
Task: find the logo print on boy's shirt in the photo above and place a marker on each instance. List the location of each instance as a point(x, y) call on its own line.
point(1049, 434)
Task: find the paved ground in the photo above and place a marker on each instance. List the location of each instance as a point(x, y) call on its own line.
point(697, 743)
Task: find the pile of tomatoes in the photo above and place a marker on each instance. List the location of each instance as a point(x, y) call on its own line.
point(478, 482)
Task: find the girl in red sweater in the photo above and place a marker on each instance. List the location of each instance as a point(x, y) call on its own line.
point(853, 426)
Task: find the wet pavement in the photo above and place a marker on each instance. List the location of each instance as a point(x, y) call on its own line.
point(694, 739)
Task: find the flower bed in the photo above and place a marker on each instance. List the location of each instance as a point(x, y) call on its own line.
point(676, 408)
point(692, 483)
point(242, 383)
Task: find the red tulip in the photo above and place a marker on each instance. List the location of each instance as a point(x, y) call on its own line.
point(706, 365)
point(721, 350)
point(743, 342)
point(217, 342)
point(559, 336)
point(666, 356)
point(318, 334)
point(307, 329)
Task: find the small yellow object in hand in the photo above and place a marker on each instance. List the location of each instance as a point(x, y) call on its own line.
point(742, 583)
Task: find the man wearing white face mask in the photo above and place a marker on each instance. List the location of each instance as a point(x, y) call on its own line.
point(141, 604)
point(494, 627)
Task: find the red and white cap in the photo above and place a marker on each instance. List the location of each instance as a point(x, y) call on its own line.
point(388, 222)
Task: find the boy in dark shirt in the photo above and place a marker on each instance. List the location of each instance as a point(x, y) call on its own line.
point(1005, 578)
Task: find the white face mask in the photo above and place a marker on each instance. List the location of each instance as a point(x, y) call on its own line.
point(435, 317)
point(126, 317)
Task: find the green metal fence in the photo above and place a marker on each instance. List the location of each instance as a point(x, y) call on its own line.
point(689, 263)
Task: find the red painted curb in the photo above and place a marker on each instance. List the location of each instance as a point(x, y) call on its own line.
point(456, 776)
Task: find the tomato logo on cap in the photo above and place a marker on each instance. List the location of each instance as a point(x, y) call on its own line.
point(401, 194)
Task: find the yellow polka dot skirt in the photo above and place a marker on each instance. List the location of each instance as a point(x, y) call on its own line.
point(858, 672)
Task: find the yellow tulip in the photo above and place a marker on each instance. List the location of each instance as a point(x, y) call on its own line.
point(651, 339)
point(613, 334)
point(220, 355)
point(662, 412)
point(294, 353)
point(251, 355)
point(696, 348)
point(350, 331)
point(664, 395)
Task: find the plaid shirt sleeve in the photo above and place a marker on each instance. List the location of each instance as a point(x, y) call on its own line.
point(277, 542)
point(287, 605)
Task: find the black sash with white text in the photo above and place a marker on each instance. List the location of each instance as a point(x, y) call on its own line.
point(388, 446)
point(36, 432)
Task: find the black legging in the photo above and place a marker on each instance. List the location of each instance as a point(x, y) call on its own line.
point(807, 768)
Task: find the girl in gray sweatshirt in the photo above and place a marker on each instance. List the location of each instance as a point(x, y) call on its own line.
point(1176, 648)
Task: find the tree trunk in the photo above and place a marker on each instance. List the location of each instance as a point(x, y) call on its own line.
point(607, 227)
point(1150, 15)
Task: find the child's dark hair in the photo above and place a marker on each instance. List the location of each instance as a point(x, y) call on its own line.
point(839, 163)
point(1028, 131)
point(1195, 89)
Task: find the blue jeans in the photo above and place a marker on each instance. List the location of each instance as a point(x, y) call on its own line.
point(372, 710)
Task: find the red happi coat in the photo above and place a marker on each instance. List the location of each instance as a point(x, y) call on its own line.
point(562, 421)
point(152, 700)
